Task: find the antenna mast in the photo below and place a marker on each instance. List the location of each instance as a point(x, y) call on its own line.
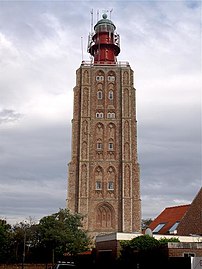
point(91, 20)
point(110, 13)
point(98, 13)
point(81, 48)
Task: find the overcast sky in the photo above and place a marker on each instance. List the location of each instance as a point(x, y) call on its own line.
point(40, 50)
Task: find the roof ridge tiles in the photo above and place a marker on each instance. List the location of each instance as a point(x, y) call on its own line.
point(178, 206)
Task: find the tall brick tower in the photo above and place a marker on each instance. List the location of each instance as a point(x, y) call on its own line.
point(103, 179)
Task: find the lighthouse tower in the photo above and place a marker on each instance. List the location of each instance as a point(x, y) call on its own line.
point(104, 45)
point(103, 175)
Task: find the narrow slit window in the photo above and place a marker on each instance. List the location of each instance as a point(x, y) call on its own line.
point(99, 145)
point(111, 146)
point(111, 95)
point(99, 95)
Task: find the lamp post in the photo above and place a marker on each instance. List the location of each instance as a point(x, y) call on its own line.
point(24, 245)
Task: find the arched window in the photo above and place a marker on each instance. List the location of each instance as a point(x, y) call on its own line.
point(111, 78)
point(111, 115)
point(99, 95)
point(99, 78)
point(99, 115)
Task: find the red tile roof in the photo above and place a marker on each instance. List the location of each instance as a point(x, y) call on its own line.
point(169, 216)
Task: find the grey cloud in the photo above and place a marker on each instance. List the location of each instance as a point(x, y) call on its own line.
point(35, 152)
point(9, 115)
point(32, 203)
point(33, 169)
point(43, 53)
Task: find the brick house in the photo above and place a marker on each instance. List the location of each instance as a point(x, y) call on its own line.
point(191, 223)
point(180, 220)
point(168, 220)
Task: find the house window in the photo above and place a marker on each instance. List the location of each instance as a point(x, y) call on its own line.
point(98, 185)
point(110, 95)
point(99, 78)
point(189, 254)
point(99, 95)
point(111, 185)
point(99, 114)
point(173, 229)
point(159, 227)
point(111, 146)
point(99, 146)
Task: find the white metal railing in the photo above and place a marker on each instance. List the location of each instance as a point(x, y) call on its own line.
point(119, 63)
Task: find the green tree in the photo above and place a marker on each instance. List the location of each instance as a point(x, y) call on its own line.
point(5, 236)
point(62, 233)
point(22, 240)
point(145, 223)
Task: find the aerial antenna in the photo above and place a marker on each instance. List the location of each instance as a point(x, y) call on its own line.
point(91, 20)
point(81, 48)
point(98, 14)
point(110, 13)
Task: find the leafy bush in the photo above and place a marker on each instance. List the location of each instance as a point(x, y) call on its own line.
point(164, 240)
point(142, 242)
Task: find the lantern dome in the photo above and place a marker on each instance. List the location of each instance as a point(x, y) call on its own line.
point(104, 25)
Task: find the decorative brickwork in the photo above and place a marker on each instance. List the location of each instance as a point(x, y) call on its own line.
point(103, 178)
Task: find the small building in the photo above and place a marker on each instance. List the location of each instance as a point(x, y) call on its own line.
point(168, 220)
point(108, 248)
point(181, 220)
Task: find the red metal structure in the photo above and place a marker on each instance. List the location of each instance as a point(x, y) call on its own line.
point(104, 44)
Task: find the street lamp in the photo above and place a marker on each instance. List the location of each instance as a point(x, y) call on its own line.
point(24, 245)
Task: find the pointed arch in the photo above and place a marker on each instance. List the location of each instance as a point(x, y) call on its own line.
point(84, 151)
point(126, 131)
point(111, 178)
point(99, 130)
point(98, 178)
point(111, 130)
point(127, 187)
point(105, 216)
point(125, 78)
point(99, 76)
point(85, 105)
point(86, 77)
point(126, 103)
point(83, 186)
point(126, 151)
